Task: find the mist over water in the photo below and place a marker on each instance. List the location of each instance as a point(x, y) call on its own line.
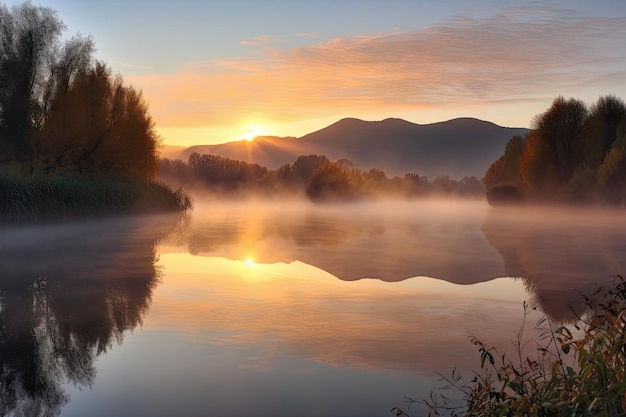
point(359, 303)
point(552, 249)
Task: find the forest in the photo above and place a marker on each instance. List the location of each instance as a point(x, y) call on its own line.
point(573, 153)
point(69, 125)
point(312, 176)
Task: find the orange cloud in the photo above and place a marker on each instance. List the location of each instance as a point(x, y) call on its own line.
point(508, 59)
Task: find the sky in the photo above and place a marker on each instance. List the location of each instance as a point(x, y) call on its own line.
point(216, 71)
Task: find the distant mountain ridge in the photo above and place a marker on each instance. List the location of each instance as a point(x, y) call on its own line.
point(458, 147)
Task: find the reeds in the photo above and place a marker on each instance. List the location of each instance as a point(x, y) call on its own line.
point(38, 197)
point(573, 370)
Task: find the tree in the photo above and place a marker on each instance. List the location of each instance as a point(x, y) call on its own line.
point(505, 170)
point(612, 172)
point(605, 116)
point(28, 39)
point(330, 181)
point(73, 59)
point(97, 125)
point(559, 133)
point(304, 166)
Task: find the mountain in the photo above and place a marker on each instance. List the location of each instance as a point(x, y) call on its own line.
point(171, 152)
point(457, 147)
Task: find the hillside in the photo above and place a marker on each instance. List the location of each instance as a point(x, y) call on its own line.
point(457, 147)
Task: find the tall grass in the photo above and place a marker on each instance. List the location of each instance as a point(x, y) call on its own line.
point(38, 197)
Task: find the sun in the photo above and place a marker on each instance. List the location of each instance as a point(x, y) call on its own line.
point(252, 132)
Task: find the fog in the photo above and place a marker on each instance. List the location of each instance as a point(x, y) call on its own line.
point(553, 250)
point(71, 292)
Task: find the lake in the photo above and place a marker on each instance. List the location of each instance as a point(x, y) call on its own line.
point(282, 309)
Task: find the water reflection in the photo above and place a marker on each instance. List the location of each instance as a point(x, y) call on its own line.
point(251, 301)
point(386, 241)
point(67, 294)
point(559, 253)
point(556, 252)
point(419, 325)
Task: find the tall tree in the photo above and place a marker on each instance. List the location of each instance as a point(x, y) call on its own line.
point(561, 129)
point(98, 125)
point(29, 36)
point(605, 115)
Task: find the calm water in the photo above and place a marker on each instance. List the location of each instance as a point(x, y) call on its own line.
point(281, 309)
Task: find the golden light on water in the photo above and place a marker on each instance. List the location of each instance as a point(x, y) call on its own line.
point(306, 310)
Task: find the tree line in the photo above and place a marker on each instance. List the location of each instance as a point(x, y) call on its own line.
point(63, 111)
point(573, 153)
point(312, 175)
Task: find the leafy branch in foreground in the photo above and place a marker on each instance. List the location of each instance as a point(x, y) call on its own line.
point(576, 370)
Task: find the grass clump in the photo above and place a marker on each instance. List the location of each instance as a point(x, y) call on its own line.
point(38, 197)
point(569, 370)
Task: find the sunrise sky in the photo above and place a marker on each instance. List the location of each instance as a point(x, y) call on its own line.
point(213, 71)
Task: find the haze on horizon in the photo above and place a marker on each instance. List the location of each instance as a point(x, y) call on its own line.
point(214, 71)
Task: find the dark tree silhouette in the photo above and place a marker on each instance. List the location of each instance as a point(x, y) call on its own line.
point(558, 136)
point(98, 125)
point(605, 116)
point(67, 298)
point(572, 154)
point(331, 181)
point(304, 166)
point(62, 111)
point(28, 36)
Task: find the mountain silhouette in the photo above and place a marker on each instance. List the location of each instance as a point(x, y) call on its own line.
point(457, 147)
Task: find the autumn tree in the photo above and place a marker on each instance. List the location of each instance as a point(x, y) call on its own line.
point(330, 181)
point(612, 172)
point(559, 133)
point(605, 116)
point(97, 125)
point(60, 111)
point(305, 165)
point(553, 149)
point(505, 170)
point(571, 154)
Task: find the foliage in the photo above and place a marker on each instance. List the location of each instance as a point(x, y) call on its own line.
point(572, 154)
point(28, 37)
point(60, 110)
point(311, 175)
point(577, 370)
point(97, 126)
point(505, 170)
point(38, 197)
point(330, 181)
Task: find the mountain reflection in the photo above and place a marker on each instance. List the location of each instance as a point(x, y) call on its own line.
point(67, 294)
point(557, 252)
point(386, 241)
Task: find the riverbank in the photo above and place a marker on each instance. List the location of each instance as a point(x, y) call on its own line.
point(36, 198)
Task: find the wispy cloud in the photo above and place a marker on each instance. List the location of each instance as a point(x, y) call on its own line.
point(514, 57)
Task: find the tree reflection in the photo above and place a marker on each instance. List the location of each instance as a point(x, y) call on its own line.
point(67, 294)
point(560, 254)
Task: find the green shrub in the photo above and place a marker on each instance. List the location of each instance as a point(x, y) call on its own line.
point(575, 370)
